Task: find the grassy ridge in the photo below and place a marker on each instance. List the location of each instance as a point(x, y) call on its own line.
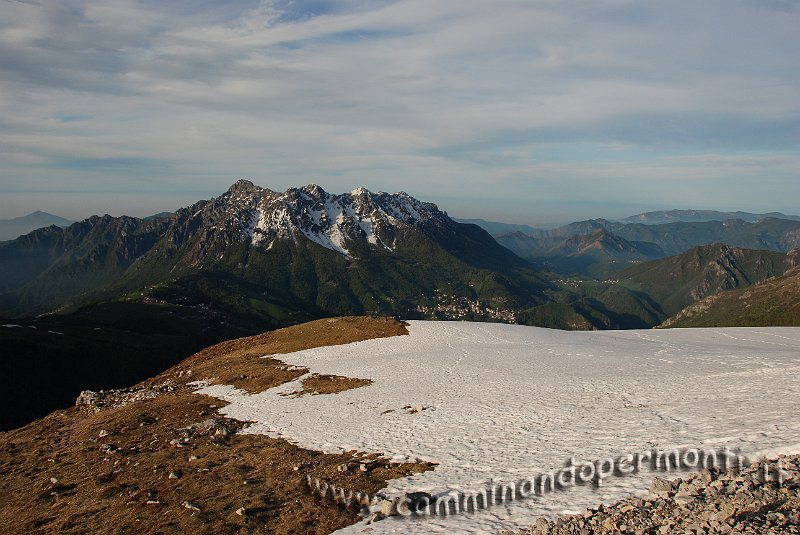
point(774, 302)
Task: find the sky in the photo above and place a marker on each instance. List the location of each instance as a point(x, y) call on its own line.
point(524, 111)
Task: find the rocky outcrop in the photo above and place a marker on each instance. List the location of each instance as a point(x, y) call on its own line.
point(763, 498)
point(97, 401)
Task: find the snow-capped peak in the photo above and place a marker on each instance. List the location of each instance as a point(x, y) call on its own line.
point(333, 221)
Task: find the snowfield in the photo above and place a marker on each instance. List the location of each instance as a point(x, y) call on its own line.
point(509, 402)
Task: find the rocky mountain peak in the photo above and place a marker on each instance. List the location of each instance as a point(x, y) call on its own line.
point(242, 186)
point(314, 191)
point(599, 238)
point(262, 216)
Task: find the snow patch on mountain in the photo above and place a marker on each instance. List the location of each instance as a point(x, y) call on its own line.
point(329, 220)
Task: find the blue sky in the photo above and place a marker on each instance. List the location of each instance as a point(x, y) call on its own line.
point(526, 111)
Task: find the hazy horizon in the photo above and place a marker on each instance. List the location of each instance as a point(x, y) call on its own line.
point(540, 213)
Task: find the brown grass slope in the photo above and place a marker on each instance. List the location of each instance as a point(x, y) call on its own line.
point(158, 458)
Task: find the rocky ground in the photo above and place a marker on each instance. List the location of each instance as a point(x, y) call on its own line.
point(762, 498)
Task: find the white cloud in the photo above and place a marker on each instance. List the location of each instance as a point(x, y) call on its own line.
point(424, 96)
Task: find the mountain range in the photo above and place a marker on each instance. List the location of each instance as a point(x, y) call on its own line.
point(496, 228)
point(559, 249)
point(257, 257)
point(696, 216)
point(274, 258)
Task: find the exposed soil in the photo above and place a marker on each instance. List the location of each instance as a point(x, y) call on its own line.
point(329, 384)
point(161, 459)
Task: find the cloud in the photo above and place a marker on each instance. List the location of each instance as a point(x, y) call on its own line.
point(430, 97)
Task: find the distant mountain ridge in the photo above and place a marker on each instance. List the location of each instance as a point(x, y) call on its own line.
point(695, 216)
point(15, 227)
point(544, 247)
point(659, 217)
point(596, 254)
point(605, 244)
point(495, 227)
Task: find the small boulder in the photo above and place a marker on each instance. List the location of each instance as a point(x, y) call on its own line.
point(661, 488)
